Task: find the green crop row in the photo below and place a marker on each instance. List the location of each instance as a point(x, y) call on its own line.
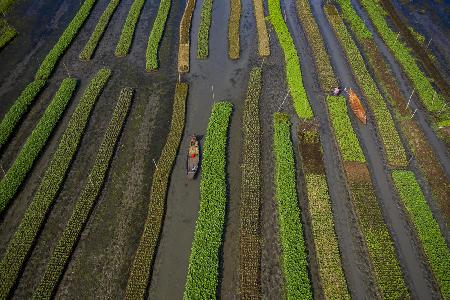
point(294, 259)
point(67, 242)
point(49, 63)
point(156, 35)
point(426, 158)
point(315, 40)
point(5, 4)
point(292, 62)
point(18, 109)
point(250, 247)
point(326, 244)
point(234, 24)
point(145, 254)
point(100, 28)
point(184, 44)
point(35, 142)
point(430, 236)
point(202, 276)
point(126, 37)
point(186, 20)
point(23, 239)
point(379, 243)
point(347, 140)
point(395, 152)
point(22, 103)
point(422, 84)
point(203, 32)
point(263, 38)
point(7, 33)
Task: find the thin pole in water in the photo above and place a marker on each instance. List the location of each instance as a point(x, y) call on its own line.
point(410, 97)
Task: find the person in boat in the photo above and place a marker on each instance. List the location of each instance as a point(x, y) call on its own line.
point(193, 147)
point(336, 91)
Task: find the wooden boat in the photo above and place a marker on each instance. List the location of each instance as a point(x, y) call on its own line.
point(193, 157)
point(357, 107)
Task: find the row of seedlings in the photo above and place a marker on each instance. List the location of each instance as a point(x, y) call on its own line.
point(393, 147)
point(432, 101)
point(203, 31)
point(85, 203)
point(148, 244)
point(203, 270)
point(326, 245)
point(24, 238)
point(35, 142)
point(185, 37)
point(416, 42)
point(234, 24)
point(420, 147)
point(263, 37)
point(126, 36)
point(7, 33)
point(293, 258)
point(28, 95)
point(324, 236)
point(381, 251)
point(292, 62)
point(156, 35)
point(379, 244)
point(99, 30)
point(405, 181)
point(249, 209)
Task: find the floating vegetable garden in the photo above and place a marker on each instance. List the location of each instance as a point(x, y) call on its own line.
point(294, 198)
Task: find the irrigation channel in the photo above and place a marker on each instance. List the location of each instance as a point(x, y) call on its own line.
point(99, 265)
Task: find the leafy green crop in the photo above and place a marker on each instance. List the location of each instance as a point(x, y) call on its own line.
point(145, 254)
point(23, 239)
point(100, 28)
point(346, 138)
point(234, 25)
point(156, 35)
point(430, 236)
point(86, 201)
point(18, 109)
point(22, 103)
point(203, 32)
point(395, 152)
point(126, 37)
point(380, 246)
point(35, 142)
point(185, 37)
point(49, 63)
point(292, 62)
point(294, 259)
point(326, 244)
point(433, 103)
point(249, 208)
point(7, 33)
point(315, 40)
point(203, 267)
point(263, 38)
